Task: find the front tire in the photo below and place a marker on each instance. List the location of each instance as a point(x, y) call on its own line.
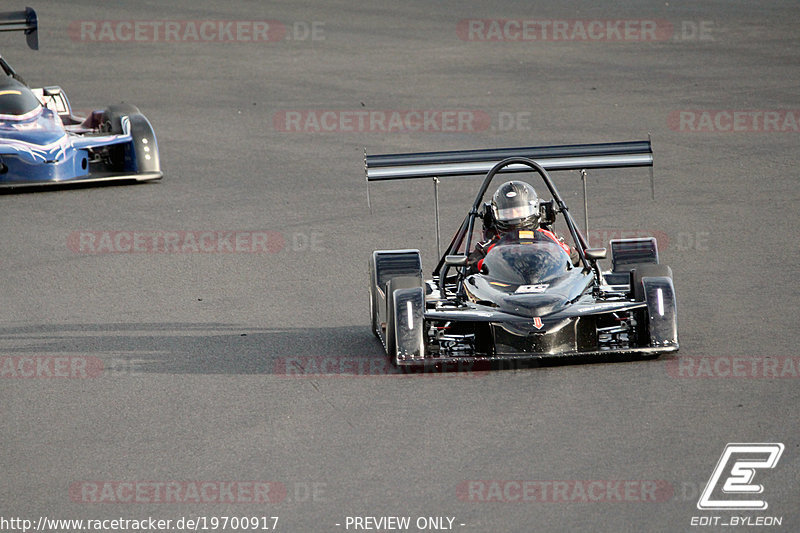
point(643, 334)
point(112, 117)
point(404, 328)
point(646, 271)
point(140, 156)
point(373, 300)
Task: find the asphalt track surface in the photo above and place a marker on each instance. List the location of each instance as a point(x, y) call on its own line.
point(200, 351)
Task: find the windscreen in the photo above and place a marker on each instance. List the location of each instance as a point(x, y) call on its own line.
point(526, 264)
point(17, 102)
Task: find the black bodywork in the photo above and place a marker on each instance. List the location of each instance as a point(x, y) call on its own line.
point(528, 301)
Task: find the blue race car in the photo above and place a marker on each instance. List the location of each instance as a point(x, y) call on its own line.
point(43, 143)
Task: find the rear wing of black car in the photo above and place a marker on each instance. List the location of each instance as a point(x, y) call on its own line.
point(474, 162)
point(24, 21)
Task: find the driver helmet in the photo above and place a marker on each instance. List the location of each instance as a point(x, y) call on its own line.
point(515, 205)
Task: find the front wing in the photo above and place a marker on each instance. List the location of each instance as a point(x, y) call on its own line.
point(499, 337)
point(66, 161)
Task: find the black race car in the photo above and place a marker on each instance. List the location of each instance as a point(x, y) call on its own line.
point(528, 300)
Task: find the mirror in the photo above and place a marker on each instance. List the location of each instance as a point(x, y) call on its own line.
point(455, 260)
point(595, 253)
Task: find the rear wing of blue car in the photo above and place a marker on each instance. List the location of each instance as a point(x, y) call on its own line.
point(475, 162)
point(24, 21)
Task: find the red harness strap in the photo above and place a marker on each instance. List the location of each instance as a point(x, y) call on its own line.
point(480, 263)
point(550, 234)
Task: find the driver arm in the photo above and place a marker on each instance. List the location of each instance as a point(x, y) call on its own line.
point(475, 260)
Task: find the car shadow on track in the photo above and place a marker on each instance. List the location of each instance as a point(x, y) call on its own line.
point(188, 348)
point(224, 349)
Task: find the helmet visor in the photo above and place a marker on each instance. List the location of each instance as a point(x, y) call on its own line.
point(515, 212)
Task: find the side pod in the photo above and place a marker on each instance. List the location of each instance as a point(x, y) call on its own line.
point(391, 271)
point(627, 254)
